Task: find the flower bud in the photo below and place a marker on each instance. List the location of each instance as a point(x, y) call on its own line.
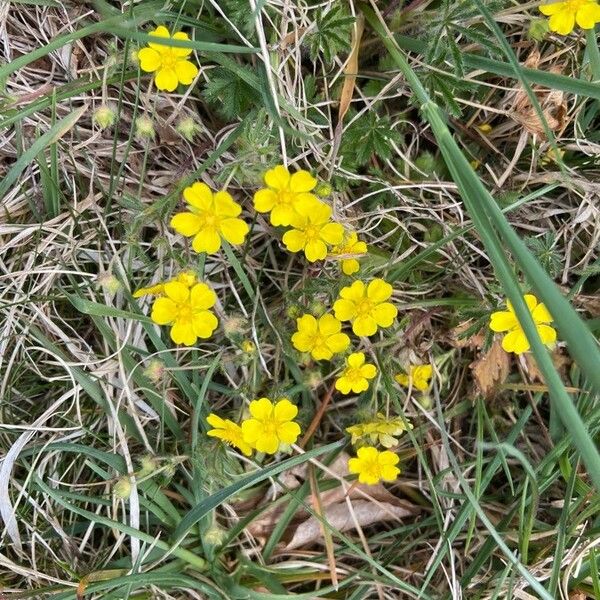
point(148, 465)
point(323, 189)
point(188, 128)
point(105, 116)
point(234, 326)
point(144, 129)
point(538, 28)
point(122, 488)
point(109, 283)
point(155, 371)
point(248, 347)
point(293, 311)
point(215, 536)
point(317, 308)
point(485, 128)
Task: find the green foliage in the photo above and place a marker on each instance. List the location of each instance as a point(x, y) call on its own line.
point(230, 94)
point(543, 247)
point(332, 34)
point(370, 135)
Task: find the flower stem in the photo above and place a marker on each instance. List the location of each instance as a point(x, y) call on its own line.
point(593, 52)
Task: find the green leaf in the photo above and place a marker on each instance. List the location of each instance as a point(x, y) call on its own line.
point(332, 34)
point(229, 94)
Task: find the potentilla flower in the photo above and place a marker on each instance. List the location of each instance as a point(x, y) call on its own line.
point(229, 432)
point(271, 425)
point(351, 245)
point(564, 15)
point(188, 278)
point(372, 466)
point(515, 340)
point(212, 217)
point(418, 377)
point(381, 430)
point(312, 231)
point(168, 62)
point(356, 375)
point(366, 306)
point(186, 310)
point(321, 337)
point(284, 194)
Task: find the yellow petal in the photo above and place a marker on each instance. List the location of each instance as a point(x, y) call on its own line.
point(389, 473)
point(181, 52)
point(315, 250)
point(344, 309)
point(385, 314)
point(332, 233)
point(552, 8)
point(234, 230)
point(355, 292)
point(251, 430)
point(338, 343)
point(185, 70)
point(277, 178)
point(164, 311)
point(182, 332)
point(149, 59)
point(541, 314)
point(149, 291)
point(160, 31)
point(264, 200)
point(562, 22)
point(282, 214)
point(261, 409)
point(302, 181)
point(402, 379)
point(204, 323)
point(267, 443)
point(284, 410)
point(177, 291)
point(225, 205)
point(294, 240)
point(166, 79)
point(307, 324)
point(343, 385)
point(199, 195)
point(356, 360)
point(368, 371)
point(186, 223)
point(350, 266)
point(302, 342)
point(288, 432)
point(328, 324)
point(531, 301)
point(207, 240)
point(515, 341)
point(202, 297)
point(588, 15)
point(547, 333)
point(364, 326)
point(503, 320)
point(215, 421)
point(379, 290)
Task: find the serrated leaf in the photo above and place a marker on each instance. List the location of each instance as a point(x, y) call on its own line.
point(230, 94)
point(332, 34)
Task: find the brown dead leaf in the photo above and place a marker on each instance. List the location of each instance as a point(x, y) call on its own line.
point(560, 361)
point(577, 595)
point(552, 103)
point(491, 369)
point(351, 69)
point(339, 517)
point(473, 342)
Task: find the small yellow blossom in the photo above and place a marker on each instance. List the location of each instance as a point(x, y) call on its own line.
point(350, 246)
point(485, 128)
point(515, 340)
point(168, 62)
point(366, 306)
point(211, 217)
point(372, 466)
point(229, 432)
point(284, 194)
point(271, 425)
point(312, 229)
point(188, 278)
point(356, 375)
point(186, 310)
point(321, 337)
point(418, 377)
point(382, 430)
point(564, 15)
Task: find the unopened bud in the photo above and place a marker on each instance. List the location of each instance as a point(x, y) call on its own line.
point(109, 283)
point(148, 465)
point(215, 536)
point(144, 128)
point(122, 488)
point(248, 347)
point(155, 371)
point(105, 116)
point(317, 308)
point(188, 128)
point(323, 190)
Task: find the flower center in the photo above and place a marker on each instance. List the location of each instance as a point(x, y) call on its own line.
point(184, 312)
point(364, 307)
point(353, 374)
point(371, 467)
point(312, 232)
point(575, 5)
point(271, 427)
point(168, 59)
point(286, 197)
point(211, 220)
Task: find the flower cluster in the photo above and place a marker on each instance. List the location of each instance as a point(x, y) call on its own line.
point(381, 429)
point(564, 15)
point(270, 427)
point(418, 377)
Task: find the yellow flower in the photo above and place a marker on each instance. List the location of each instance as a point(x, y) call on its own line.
point(211, 217)
point(186, 310)
point(188, 278)
point(322, 337)
point(229, 432)
point(356, 374)
point(564, 15)
point(366, 306)
point(350, 245)
point(312, 231)
point(284, 194)
point(270, 425)
point(372, 466)
point(515, 340)
point(418, 377)
point(381, 430)
point(168, 62)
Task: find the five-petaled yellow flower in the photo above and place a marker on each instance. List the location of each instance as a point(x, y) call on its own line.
point(212, 217)
point(418, 377)
point(350, 246)
point(356, 375)
point(366, 306)
point(188, 278)
point(186, 310)
point(564, 15)
point(372, 466)
point(168, 62)
point(515, 340)
point(312, 231)
point(284, 194)
point(229, 432)
point(322, 337)
point(270, 425)
point(381, 430)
